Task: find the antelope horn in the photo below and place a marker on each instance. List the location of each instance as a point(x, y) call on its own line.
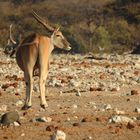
point(42, 21)
point(11, 38)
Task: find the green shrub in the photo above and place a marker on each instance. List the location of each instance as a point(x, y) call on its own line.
point(101, 39)
point(137, 18)
point(124, 2)
point(119, 32)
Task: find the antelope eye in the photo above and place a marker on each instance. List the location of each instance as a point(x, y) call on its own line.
point(57, 35)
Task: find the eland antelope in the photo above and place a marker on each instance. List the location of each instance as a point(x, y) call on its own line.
point(11, 43)
point(34, 53)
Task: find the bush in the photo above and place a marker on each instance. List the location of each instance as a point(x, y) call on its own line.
point(119, 32)
point(137, 18)
point(101, 39)
point(124, 2)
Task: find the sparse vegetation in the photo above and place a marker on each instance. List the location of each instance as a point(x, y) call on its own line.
point(88, 24)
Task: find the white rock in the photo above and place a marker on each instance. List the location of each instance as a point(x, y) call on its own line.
point(74, 83)
point(137, 65)
point(134, 118)
point(102, 110)
point(10, 89)
point(3, 108)
point(64, 69)
point(16, 124)
point(78, 93)
point(107, 107)
point(42, 109)
point(120, 119)
point(119, 112)
point(74, 106)
point(54, 82)
point(89, 138)
point(48, 119)
point(75, 117)
point(42, 119)
point(94, 107)
point(23, 134)
point(19, 103)
point(68, 119)
point(59, 135)
point(61, 93)
point(92, 103)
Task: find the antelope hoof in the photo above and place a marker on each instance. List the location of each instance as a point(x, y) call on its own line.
point(44, 106)
point(26, 107)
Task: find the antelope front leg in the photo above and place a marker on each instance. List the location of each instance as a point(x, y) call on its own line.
point(29, 88)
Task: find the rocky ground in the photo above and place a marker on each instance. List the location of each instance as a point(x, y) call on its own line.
point(90, 98)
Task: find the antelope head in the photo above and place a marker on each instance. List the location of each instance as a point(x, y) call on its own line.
point(59, 40)
point(11, 44)
point(57, 37)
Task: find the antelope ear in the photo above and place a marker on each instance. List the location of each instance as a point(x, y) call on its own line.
point(56, 30)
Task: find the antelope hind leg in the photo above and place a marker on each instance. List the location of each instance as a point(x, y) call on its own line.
point(29, 87)
point(43, 76)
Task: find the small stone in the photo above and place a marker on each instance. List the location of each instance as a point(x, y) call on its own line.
point(19, 103)
point(42, 109)
point(61, 93)
point(74, 106)
point(64, 69)
point(89, 138)
point(50, 128)
point(115, 89)
point(92, 103)
point(23, 134)
point(33, 120)
point(130, 125)
point(58, 135)
point(48, 119)
point(102, 110)
point(119, 112)
point(10, 89)
point(128, 94)
point(76, 124)
point(10, 117)
point(86, 119)
point(138, 118)
point(107, 107)
point(120, 119)
point(134, 118)
point(78, 93)
point(43, 119)
point(137, 110)
point(92, 89)
point(3, 108)
point(128, 100)
point(75, 117)
point(16, 124)
point(68, 119)
point(134, 92)
point(55, 83)
point(99, 89)
point(74, 83)
point(98, 119)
